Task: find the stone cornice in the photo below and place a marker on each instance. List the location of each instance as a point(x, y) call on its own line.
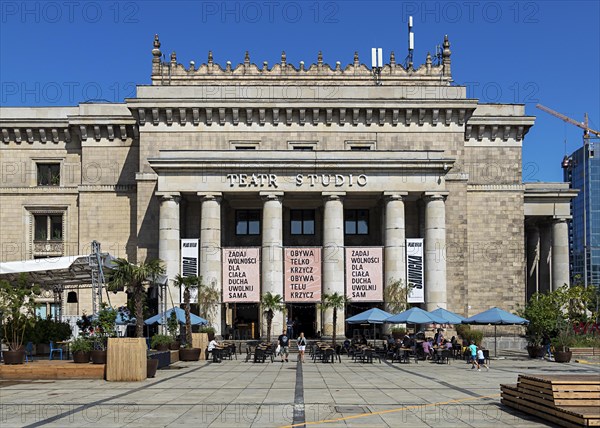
point(122, 188)
point(39, 190)
point(364, 113)
point(495, 187)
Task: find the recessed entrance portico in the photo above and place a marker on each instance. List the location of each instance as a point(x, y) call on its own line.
point(324, 201)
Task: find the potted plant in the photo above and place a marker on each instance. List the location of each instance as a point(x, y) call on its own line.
point(563, 341)
point(210, 332)
point(160, 342)
point(173, 329)
point(188, 283)
point(103, 328)
point(271, 303)
point(17, 309)
point(125, 275)
point(81, 349)
point(335, 301)
point(540, 310)
point(47, 330)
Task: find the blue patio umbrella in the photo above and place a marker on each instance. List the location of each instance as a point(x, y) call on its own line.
point(451, 317)
point(371, 316)
point(416, 316)
point(196, 320)
point(495, 316)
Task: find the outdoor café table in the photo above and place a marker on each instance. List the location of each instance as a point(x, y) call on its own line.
point(66, 345)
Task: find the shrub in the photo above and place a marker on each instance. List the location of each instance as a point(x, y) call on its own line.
point(81, 344)
point(160, 339)
point(207, 330)
point(465, 331)
point(399, 331)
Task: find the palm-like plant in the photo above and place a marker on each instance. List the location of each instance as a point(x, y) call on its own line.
point(133, 278)
point(188, 283)
point(334, 301)
point(271, 303)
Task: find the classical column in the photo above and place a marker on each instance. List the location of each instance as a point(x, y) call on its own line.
point(533, 260)
point(435, 252)
point(560, 253)
point(210, 249)
point(272, 255)
point(395, 239)
point(333, 256)
point(545, 277)
point(169, 238)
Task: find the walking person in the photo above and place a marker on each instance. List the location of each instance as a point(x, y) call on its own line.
point(301, 347)
point(473, 350)
point(481, 360)
point(284, 343)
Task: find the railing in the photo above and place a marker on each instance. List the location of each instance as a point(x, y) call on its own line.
point(54, 248)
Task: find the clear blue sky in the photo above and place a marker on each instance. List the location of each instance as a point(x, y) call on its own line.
point(62, 53)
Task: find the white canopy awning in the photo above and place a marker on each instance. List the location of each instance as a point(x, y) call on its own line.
point(61, 272)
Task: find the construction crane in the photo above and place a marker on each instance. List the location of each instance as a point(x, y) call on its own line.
point(568, 163)
point(583, 125)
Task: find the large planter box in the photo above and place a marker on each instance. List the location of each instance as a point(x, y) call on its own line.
point(126, 359)
point(587, 352)
point(200, 340)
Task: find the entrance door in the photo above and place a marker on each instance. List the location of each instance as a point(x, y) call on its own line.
point(304, 318)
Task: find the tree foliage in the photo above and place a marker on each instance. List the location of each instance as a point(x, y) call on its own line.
point(188, 283)
point(335, 301)
point(17, 308)
point(271, 303)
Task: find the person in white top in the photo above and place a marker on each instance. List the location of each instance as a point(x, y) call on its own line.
point(301, 347)
point(481, 360)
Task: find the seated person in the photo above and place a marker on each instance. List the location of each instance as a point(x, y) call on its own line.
point(346, 345)
point(427, 348)
point(214, 348)
point(390, 340)
point(363, 340)
point(448, 345)
point(406, 341)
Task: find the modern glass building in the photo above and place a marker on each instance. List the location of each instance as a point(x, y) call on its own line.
point(582, 171)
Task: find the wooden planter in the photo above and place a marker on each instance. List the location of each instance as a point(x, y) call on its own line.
point(174, 346)
point(200, 341)
point(126, 359)
point(162, 347)
point(81, 357)
point(14, 357)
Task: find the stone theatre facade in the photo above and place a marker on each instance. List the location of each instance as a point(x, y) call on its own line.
point(291, 179)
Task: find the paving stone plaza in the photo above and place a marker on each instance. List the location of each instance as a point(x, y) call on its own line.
point(234, 393)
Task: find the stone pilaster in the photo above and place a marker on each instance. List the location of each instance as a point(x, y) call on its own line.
point(333, 256)
point(435, 252)
point(272, 255)
point(210, 249)
point(395, 239)
point(560, 253)
point(169, 239)
point(546, 256)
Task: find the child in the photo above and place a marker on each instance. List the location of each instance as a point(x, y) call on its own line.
point(481, 360)
point(473, 349)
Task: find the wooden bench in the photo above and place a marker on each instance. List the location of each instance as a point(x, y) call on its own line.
point(565, 400)
point(585, 352)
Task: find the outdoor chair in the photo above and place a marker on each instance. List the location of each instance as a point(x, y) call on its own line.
point(260, 355)
point(317, 354)
point(29, 351)
point(249, 353)
point(486, 356)
point(328, 356)
point(53, 350)
point(444, 357)
point(338, 352)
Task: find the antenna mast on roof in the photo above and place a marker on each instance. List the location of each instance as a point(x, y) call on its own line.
point(411, 44)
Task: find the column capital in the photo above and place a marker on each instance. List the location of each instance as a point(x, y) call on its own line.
point(333, 196)
point(210, 196)
point(435, 196)
point(271, 196)
point(168, 196)
point(394, 196)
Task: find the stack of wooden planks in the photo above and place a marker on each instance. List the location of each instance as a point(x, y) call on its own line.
point(565, 400)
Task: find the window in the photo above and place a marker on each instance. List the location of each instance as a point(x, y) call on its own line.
point(245, 147)
point(48, 174)
point(302, 222)
point(360, 148)
point(304, 148)
point(356, 222)
point(247, 222)
point(48, 227)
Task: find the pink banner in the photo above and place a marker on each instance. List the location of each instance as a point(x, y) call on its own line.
point(241, 275)
point(364, 274)
point(302, 274)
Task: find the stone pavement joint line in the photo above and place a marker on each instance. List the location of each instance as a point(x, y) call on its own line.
point(299, 417)
point(85, 406)
point(383, 412)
